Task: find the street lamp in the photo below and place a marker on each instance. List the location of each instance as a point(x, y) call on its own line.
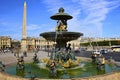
point(48, 47)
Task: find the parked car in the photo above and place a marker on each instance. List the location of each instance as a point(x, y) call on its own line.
point(83, 49)
point(104, 51)
point(96, 51)
point(116, 50)
point(77, 51)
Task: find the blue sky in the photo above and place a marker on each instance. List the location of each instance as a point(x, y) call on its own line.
point(94, 18)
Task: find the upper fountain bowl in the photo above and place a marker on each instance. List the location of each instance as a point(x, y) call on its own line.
point(61, 36)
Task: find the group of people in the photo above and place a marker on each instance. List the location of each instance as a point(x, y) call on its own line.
point(3, 51)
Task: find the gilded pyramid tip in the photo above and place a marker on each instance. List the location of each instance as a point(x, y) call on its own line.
point(24, 3)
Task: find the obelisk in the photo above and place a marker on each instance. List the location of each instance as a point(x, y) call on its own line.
point(23, 41)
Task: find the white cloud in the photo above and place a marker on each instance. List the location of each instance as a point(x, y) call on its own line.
point(32, 27)
point(34, 30)
point(53, 5)
point(88, 14)
point(3, 23)
point(96, 12)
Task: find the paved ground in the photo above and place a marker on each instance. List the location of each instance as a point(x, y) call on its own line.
point(9, 58)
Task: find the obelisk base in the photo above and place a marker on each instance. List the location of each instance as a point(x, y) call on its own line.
point(23, 45)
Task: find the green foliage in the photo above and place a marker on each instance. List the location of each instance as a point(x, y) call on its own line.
point(102, 43)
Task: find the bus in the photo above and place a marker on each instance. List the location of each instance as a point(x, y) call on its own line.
point(115, 48)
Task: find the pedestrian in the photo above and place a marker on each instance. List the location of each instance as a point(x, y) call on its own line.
point(14, 54)
point(25, 54)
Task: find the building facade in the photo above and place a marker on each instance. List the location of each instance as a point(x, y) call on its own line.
point(38, 43)
point(5, 42)
point(75, 44)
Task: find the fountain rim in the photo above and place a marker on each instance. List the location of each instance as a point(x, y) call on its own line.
point(98, 76)
point(66, 36)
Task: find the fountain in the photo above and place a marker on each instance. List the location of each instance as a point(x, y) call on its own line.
point(62, 63)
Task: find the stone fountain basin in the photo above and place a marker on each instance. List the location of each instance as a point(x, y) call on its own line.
point(85, 69)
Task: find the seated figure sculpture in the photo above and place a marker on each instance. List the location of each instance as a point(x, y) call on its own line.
point(2, 66)
point(35, 59)
point(70, 58)
point(20, 63)
point(94, 56)
point(61, 25)
point(52, 66)
point(101, 62)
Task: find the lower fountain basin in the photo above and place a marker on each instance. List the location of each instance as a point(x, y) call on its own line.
point(85, 69)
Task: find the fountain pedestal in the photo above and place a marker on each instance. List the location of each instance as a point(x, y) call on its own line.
point(61, 36)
